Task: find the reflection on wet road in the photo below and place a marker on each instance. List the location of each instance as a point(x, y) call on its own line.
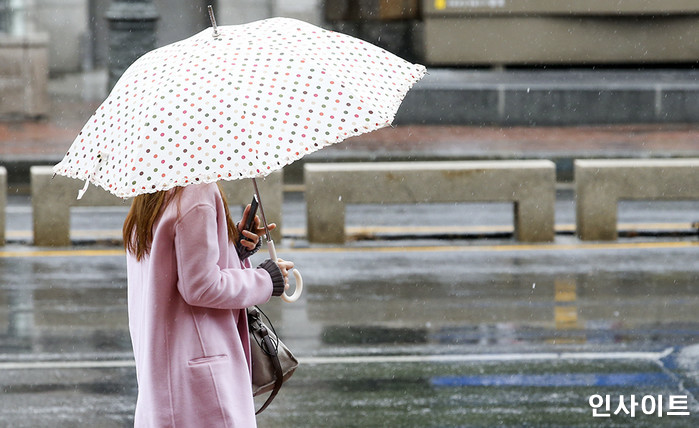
point(400, 335)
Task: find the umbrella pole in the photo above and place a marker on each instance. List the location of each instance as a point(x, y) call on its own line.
point(213, 20)
point(273, 251)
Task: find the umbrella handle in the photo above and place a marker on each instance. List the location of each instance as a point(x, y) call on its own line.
point(298, 289)
point(297, 276)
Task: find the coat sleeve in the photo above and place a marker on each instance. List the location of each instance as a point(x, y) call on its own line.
point(201, 281)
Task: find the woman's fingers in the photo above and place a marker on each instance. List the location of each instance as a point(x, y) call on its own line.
point(261, 230)
point(246, 213)
point(251, 241)
point(285, 263)
point(285, 267)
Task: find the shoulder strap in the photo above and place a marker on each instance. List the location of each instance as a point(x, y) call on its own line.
point(279, 378)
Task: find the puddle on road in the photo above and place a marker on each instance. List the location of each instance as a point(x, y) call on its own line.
point(552, 393)
point(593, 309)
point(87, 313)
point(52, 309)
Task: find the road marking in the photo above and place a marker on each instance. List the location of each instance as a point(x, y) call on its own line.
point(373, 359)
point(392, 249)
point(76, 234)
point(465, 358)
point(499, 248)
point(560, 380)
point(61, 253)
point(426, 230)
point(51, 365)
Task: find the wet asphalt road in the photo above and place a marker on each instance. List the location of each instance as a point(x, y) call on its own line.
point(404, 329)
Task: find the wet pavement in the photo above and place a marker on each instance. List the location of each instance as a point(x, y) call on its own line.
point(415, 322)
point(396, 328)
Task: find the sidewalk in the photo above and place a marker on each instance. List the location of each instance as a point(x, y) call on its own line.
point(74, 98)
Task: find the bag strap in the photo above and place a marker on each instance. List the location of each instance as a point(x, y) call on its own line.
point(271, 349)
point(279, 375)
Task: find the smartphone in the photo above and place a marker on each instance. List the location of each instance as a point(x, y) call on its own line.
point(250, 221)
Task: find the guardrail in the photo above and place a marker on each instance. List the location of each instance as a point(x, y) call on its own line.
point(52, 198)
point(601, 183)
point(529, 184)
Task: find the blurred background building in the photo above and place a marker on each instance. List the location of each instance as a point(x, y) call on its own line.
point(78, 28)
point(39, 38)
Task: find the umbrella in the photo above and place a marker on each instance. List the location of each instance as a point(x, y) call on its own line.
point(235, 102)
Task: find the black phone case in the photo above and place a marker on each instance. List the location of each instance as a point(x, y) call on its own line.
point(250, 221)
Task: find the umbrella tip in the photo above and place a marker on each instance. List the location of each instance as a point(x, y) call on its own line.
point(213, 20)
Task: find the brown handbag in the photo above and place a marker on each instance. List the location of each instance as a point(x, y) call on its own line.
point(272, 362)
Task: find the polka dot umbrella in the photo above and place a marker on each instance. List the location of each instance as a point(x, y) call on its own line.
point(239, 104)
point(235, 102)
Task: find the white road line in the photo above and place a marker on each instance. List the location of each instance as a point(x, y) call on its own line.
point(47, 365)
point(545, 356)
point(378, 359)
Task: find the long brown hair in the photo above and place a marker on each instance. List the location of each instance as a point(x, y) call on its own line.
point(146, 210)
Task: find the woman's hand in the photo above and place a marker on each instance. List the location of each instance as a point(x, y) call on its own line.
point(251, 238)
point(285, 267)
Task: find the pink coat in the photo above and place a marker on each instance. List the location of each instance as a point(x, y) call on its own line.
point(187, 320)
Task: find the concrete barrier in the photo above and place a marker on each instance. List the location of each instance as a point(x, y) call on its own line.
point(530, 185)
point(600, 184)
point(24, 65)
point(53, 197)
point(3, 203)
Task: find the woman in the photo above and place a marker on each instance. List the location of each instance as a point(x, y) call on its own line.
point(189, 282)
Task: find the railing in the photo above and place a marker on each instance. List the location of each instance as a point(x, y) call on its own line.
point(529, 185)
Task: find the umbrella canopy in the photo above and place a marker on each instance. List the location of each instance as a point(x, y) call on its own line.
point(234, 102)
